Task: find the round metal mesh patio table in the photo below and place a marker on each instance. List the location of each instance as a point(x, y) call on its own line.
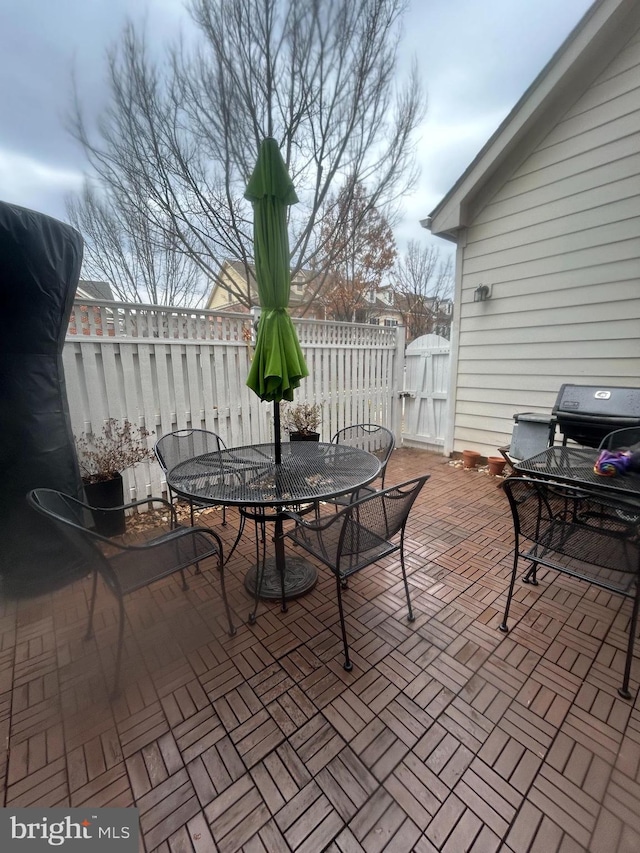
point(575, 467)
point(248, 477)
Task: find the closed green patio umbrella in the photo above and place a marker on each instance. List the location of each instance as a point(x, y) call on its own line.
point(278, 364)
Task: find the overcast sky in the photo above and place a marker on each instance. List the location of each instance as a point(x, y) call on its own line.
point(476, 58)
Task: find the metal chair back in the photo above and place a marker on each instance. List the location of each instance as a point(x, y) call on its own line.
point(626, 438)
point(182, 444)
point(73, 520)
point(373, 438)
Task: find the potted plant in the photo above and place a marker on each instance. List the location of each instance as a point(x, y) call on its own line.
point(301, 421)
point(102, 458)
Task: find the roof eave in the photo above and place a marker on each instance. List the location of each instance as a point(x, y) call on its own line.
point(575, 64)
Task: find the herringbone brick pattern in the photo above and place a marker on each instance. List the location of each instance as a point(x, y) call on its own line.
point(446, 736)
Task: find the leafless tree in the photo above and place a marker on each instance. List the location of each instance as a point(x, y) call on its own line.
point(422, 281)
point(362, 251)
point(182, 135)
point(140, 261)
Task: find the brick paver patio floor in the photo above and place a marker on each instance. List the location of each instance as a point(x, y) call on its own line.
point(447, 735)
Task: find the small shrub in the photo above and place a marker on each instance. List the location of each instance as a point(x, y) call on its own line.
point(302, 417)
point(117, 447)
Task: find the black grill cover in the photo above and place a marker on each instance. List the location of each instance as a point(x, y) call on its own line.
point(40, 262)
point(586, 413)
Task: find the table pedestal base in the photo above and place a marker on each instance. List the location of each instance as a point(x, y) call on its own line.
point(300, 576)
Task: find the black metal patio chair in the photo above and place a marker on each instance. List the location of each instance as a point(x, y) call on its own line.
point(126, 568)
point(374, 439)
point(358, 535)
point(183, 444)
point(576, 533)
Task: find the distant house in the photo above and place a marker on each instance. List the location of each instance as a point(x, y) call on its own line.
point(425, 316)
point(547, 225)
point(94, 290)
point(91, 290)
point(379, 308)
point(420, 316)
point(233, 274)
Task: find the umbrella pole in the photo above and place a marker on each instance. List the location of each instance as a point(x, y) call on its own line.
point(277, 440)
point(279, 541)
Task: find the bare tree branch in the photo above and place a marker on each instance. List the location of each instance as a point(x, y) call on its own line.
point(181, 137)
point(361, 250)
point(423, 285)
point(141, 263)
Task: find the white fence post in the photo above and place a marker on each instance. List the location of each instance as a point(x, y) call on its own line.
point(398, 384)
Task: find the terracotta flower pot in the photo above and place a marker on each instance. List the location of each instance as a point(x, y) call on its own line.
point(496, 465)
point(470, 458)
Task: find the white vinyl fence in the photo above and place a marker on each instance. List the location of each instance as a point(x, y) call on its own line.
point(172, 368)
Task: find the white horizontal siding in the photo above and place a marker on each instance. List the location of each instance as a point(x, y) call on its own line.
point(615, 182)
point(592, 226)
point(559, 244)
point(608, 166)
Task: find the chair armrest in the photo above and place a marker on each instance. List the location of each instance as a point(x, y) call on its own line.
point(178, 532)
point(169, 506)
point(130, 505)
point(318, 524)
point(143, 501)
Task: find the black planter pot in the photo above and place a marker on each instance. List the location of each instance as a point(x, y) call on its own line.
point(107, 493)
point(304, 436)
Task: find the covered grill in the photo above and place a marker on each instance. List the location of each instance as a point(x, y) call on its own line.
point(586, 413)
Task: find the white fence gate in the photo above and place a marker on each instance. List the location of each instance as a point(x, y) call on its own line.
point(172, 368)
point(425, 392)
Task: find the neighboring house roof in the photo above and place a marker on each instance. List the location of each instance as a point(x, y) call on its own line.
point(94, 290)
point(583, 55)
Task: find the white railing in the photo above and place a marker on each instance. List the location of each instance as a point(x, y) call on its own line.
point(173, 368)
point(124, 320)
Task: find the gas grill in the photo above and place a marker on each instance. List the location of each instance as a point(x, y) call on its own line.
point(586, 413)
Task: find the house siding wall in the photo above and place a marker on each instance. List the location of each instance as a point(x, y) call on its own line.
point(559, 244)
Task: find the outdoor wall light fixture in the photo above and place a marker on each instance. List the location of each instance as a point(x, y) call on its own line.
point(482, 293)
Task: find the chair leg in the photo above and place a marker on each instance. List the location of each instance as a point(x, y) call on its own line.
point(347, 660)
point(261, 555)
point(279, 552)
point(503, 625)
point(185, 585)
point(94, 589)
point(411, 617)
point(116, 679)
point(232, 628)
point(237, 539)
point(197, 571)
point(633, 627)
